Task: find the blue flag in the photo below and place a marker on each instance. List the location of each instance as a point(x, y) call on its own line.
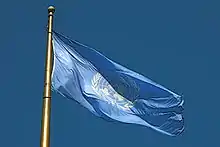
point(112, 91)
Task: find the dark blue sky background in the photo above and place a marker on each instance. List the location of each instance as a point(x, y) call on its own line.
point(175, 43)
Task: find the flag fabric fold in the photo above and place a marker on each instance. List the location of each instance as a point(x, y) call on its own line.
point(112, 91)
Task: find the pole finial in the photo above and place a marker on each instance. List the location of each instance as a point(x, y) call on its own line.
point(51, 9)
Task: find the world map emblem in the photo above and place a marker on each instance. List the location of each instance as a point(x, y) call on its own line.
point(107, 93)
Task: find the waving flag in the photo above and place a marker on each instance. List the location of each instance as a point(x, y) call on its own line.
point(112, 91)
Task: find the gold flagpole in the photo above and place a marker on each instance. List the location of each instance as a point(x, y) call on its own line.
point(45, 123)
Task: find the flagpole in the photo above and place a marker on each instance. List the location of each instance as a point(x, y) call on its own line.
point(45, 122)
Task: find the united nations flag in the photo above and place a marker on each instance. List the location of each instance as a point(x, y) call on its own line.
point(112, 91)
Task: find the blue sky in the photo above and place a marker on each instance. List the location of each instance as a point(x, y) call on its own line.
point(175, 43)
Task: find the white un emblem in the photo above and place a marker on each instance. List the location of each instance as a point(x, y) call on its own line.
point(106, 93)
